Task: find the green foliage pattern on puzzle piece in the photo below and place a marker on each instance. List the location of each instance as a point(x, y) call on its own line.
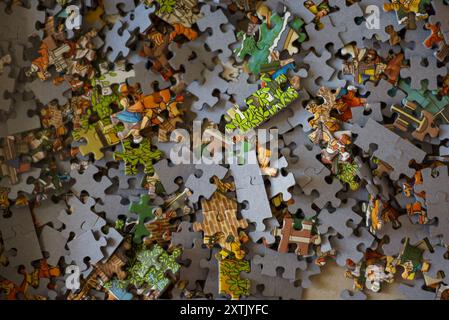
point(133, 156)
point(347, 173)
point(101, 103)
point(166, 6)
point(234, 284)
point(263, 104)
point(150, 267)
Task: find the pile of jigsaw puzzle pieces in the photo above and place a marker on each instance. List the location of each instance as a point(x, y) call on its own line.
point(96, 95)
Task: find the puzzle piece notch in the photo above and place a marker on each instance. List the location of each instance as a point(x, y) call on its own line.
point(115, 42)
point(146, 78)
point(113, 7)
point(346, 16)
point(201, 186)
point(414, 232)
point(168, 174)
point(417, 72)
point(310, 173)
point(211, 285)
point(250, 190)
point(85, 246)
point(113, 208)
point(8, 86)
point(392, 149)
point(81, 218)
point(385, 19)
point(22, 185)
point(193, 69)
point(438, 262)
point(302, 239)
point(348, 247)
point(271, 260)
point(97, 137)
point(53, 242)
point(193, 272)
point(339, 219)
point(274, 287)
point(318, 39)
point(185, 236)
point(46, 92)
point(204, 91)
point(318, 69)
point(437, 200)
point(280, 183)
point(48, 212)
point(19, 235)
point(219, 39)
point(86, 182)
point(138, 20)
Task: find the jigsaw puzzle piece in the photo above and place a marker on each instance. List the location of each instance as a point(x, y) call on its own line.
point(200, 185)
point(85, 246)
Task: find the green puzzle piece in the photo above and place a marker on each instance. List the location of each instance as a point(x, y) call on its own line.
point(230, 281)
point(151, 267)
point(133, 156)
point(145, 210)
